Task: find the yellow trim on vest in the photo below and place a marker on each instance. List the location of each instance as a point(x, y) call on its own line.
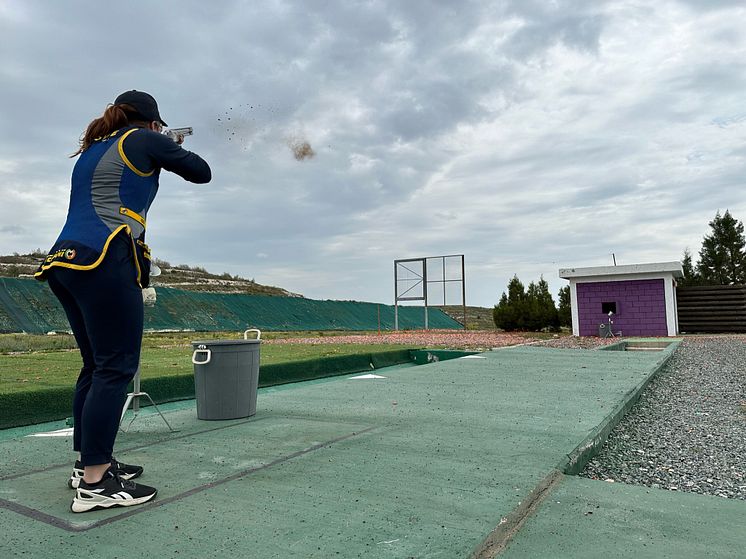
point(60, 264)
point(124, 157)
point(134, 215)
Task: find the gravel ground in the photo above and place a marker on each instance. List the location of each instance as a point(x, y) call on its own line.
point(575, 342)
point(466, 339)
point(688, 430)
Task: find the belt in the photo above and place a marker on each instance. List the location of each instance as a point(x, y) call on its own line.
point(134, 215)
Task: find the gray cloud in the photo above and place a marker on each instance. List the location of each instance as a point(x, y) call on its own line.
point(712, 5)
point(12, 229)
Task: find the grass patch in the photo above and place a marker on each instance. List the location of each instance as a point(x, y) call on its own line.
point(161, 356)
point(11, 343)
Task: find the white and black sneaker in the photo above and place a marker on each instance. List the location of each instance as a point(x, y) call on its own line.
point(125, 471)
point(111, 491)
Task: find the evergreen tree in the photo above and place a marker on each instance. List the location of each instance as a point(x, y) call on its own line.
point(502, 314)
point(722, 259)
point(510, 311)
point(691, 277)
point(532, 316)
point(565, 311)
point(548, 310)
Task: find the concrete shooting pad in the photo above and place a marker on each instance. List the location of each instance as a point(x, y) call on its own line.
point(449, 459)
point(587, 519)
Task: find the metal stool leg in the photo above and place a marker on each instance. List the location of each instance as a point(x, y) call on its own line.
point(134, 399)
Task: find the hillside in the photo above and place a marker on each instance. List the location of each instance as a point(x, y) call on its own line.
point(189, 278)
point(477, 318)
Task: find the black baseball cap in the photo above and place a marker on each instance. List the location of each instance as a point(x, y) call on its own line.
point(143, 103)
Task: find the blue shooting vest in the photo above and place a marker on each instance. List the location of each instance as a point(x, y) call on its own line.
point(109, 197)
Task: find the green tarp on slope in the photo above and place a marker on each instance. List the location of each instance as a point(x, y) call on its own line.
point(27, 305)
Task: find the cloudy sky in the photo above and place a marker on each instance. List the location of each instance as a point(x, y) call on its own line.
point(528, 135)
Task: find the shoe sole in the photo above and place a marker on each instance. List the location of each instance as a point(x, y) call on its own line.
point(83, 506)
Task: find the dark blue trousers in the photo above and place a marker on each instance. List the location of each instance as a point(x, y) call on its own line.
point(105, 310)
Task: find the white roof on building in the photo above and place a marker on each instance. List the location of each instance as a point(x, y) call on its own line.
point(664, 268)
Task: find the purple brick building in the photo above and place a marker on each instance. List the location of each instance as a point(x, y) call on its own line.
point(640, 297)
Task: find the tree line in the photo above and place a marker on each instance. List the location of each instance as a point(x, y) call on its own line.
point(532, 309)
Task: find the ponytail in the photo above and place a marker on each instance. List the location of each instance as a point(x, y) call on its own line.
point(114, 118)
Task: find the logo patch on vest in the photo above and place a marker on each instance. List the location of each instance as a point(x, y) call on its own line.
point(70, 253)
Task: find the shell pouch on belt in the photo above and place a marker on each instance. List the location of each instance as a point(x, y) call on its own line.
point(142, 253)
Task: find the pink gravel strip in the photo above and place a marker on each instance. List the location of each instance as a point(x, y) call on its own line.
point(460, 339)
point(420, 338)
point(576, 342)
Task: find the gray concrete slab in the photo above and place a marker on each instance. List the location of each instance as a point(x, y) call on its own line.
point(585, 518)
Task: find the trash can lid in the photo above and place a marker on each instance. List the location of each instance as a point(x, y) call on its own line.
point(224, 342)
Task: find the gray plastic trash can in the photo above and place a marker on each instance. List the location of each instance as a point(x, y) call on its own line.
point(226, 377)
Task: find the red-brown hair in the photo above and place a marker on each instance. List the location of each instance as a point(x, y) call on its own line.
point(114, 118)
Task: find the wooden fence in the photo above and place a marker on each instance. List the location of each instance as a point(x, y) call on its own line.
point(711, 309)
